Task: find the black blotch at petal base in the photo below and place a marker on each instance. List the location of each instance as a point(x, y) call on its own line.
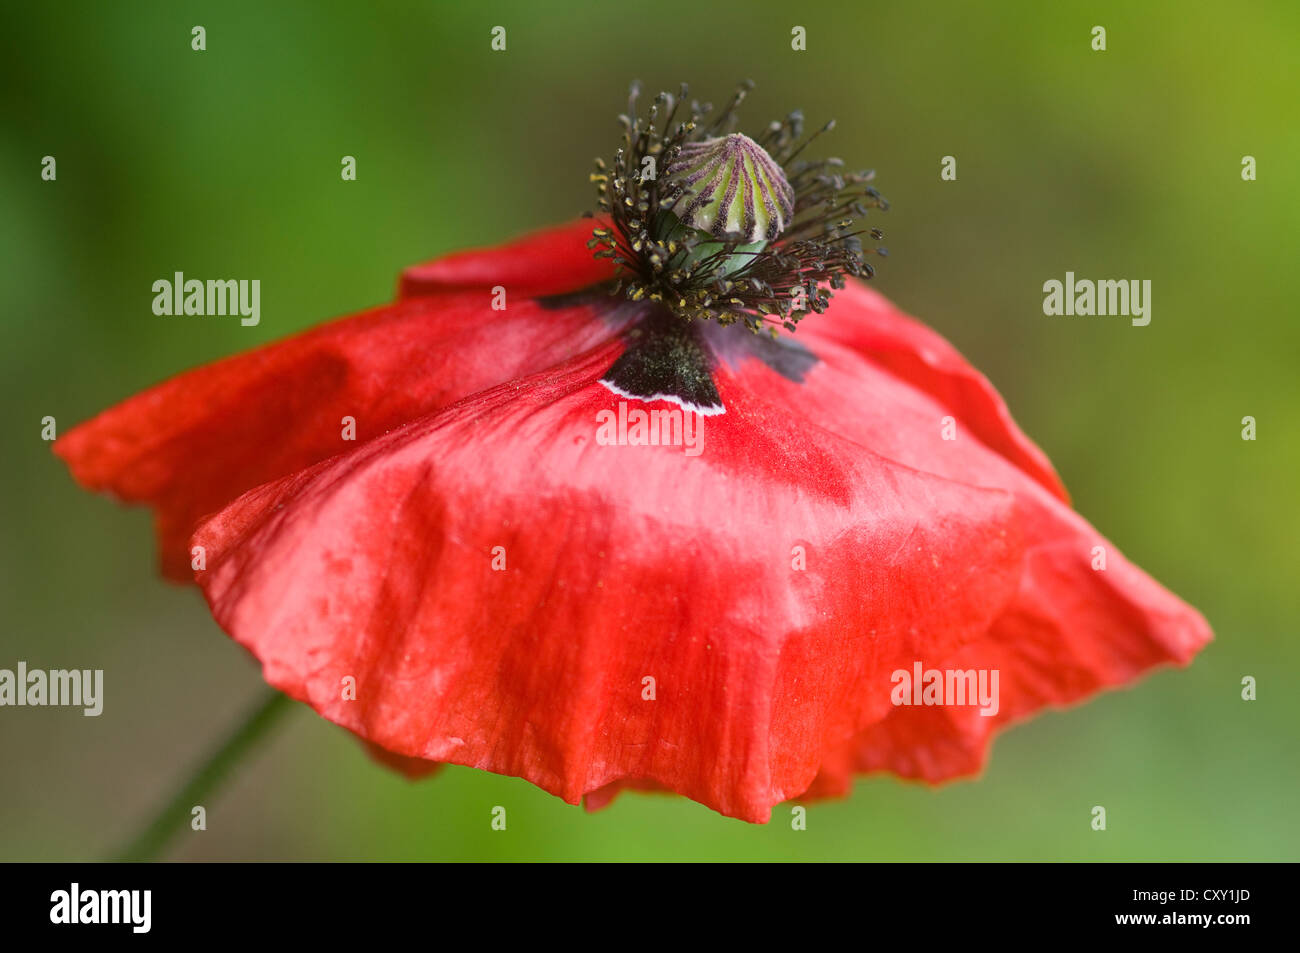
point(666, 358)
point(670, 359)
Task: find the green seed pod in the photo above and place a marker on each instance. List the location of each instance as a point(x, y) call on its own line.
point(731, 189)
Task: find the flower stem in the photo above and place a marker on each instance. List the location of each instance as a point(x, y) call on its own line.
point(169, 820)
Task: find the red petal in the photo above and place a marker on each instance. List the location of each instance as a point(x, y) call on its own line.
point(1070, 630)
point(622, 563)
point(193, 443)
point(865, 321)
point(546, 262)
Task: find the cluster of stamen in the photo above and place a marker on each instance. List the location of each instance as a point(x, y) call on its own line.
point(717, 226)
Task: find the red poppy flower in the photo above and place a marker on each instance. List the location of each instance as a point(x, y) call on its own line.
point(508, 578)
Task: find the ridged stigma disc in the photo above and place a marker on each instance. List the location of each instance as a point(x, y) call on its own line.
point(732, 189)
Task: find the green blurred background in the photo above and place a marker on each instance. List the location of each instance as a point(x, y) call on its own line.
point(226, 163)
